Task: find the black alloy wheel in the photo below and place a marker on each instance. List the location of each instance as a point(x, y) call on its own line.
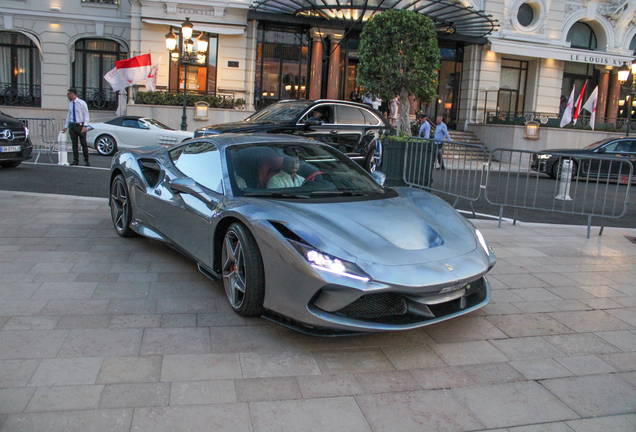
point(242, 271)
point(120, 210)
point(557, 168)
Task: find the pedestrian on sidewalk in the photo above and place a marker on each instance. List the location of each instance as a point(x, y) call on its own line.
point(441, 133)
point(76, 121)
point(425, 126)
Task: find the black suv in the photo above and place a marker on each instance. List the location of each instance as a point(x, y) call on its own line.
point(352, 128)
point(15, 145)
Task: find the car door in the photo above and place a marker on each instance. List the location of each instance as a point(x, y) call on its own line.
point(134, 133)
point(353, 125)
point(613, 153)
point(185, 217)
point(326, 131)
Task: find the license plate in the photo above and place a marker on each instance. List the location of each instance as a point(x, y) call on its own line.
point(10, 149)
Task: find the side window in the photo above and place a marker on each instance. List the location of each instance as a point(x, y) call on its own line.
point(201, 161)
point(348, 115)
point(369, 118)
point(323, 112)
point(621, 146)
point(130, 123)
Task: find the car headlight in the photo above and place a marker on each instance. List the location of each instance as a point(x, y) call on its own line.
point(329, 263)
point(544, 156)
point(26, 132)
point(482, 241)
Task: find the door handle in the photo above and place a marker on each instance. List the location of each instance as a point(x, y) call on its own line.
point(333, 132)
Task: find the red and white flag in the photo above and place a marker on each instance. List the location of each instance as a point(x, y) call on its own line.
point(579, 101)
point(590, 105)
point(129, 72)
point(567, 112)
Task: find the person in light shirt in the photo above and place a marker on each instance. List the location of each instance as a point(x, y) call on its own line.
point(288, 176)
point(76, 121)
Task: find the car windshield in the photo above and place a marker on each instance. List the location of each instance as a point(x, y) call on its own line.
point(158, 124)
point(596, 144)
point(282, 111)
point(296, 170)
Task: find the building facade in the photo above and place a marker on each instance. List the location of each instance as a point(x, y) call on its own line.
point(268, 50)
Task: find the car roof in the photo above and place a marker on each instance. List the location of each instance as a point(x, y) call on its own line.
point(228, 139)
point(118, 120)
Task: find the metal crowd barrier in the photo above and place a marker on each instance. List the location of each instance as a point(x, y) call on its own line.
point(463, 171)
point(585, 186)
point(43, 133)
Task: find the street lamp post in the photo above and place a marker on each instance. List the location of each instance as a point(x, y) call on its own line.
point(623, 75)
point(186, 56)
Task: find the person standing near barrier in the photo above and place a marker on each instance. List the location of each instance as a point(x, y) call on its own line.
point(425, 127)
point(76, 121)
point(441, 133)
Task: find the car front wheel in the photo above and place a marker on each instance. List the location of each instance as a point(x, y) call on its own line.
point(243, 276)
point(120, 210)
point(557, 168)
point(105, 145)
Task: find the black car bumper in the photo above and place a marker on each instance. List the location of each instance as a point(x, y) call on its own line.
point(11, 151)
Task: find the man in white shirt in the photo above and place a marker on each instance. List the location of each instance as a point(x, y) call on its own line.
point(76, 121)
point(287, 177)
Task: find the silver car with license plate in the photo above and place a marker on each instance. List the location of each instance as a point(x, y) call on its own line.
point(302, 235)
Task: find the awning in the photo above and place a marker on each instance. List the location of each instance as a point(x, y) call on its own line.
point(448, 16)
point(223, 29)
point(557, 53)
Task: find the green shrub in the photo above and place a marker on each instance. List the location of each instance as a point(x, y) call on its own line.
point(176, 99)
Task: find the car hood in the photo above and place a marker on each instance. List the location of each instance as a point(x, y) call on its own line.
point(242, 126)
point(6, 121)
point(413, 228)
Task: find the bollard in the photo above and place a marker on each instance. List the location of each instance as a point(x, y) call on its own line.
point(566, 179)
point(62, 155)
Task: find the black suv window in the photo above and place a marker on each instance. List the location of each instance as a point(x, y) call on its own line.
point(620, 146)
point(201, 161)
point(369, 118)
point(349, 115)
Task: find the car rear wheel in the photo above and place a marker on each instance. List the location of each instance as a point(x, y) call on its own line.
point(11, 164)
point(243, 276)
point(105, 145)
point(557, 168)
point(120, 210)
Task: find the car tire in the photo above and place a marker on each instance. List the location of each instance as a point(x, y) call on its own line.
point(557, 167)
point(242, 271)
point(12, 164)
point(106, 145)
point(370, 163)
point(120, 209)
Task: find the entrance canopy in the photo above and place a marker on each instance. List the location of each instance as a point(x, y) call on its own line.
point(448, 16)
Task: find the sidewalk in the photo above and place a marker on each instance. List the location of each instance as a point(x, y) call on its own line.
point(101, 333)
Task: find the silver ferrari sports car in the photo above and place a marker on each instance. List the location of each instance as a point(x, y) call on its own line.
point(302, 235)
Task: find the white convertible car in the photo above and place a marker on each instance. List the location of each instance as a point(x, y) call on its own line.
point(130, 132)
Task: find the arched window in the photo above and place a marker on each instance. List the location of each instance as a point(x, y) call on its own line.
point(93, 59)
point(582, 36)
point(632, 45)
point(19, 70)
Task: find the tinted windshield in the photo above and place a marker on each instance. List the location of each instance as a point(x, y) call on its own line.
point(596, 144)
point(285, 111)
point(296, 170)
point(159, 125)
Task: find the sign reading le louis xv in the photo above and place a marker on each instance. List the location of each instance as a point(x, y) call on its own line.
point(596, 60)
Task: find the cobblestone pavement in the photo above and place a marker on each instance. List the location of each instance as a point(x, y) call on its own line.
point(100, 333)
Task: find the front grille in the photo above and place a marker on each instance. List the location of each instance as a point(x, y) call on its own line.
point(379, 305)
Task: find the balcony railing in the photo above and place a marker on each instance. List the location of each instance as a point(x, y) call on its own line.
point(20, 95)
point(611, 124)
point(113, 2)
point(98, 99)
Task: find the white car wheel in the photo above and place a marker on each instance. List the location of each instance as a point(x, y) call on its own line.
point(106, 145)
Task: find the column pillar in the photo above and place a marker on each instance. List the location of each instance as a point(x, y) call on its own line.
point(315, 72)
point(603, 87)
point(614, 96)
point(333, 79)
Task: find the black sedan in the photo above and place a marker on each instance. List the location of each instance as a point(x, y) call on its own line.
point(352, 128)
point(609, 158)
point(15, 145)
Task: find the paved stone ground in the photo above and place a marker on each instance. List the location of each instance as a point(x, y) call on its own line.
point(100, 333)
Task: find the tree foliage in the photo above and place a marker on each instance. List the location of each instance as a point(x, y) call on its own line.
point(399, 55)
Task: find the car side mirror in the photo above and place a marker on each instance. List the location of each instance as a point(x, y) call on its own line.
point(190, 187)
point(601, 150)
point(379, 177)
point(313, 121)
